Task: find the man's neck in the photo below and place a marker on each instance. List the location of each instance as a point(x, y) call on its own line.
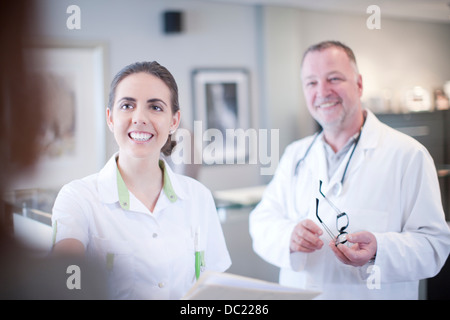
point(337, 138)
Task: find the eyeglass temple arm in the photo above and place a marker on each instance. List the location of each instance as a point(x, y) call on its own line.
point(328, 200)
point(332, 236)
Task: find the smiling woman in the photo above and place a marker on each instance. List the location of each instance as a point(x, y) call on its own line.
point(142, 118)
point(142, 109)
point(147, 69)
point(143, 220)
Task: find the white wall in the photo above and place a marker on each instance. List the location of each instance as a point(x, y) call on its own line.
point(400, 55)
point(216, 35)
point(268, 42)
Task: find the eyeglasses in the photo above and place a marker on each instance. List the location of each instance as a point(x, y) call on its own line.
point(341, 220)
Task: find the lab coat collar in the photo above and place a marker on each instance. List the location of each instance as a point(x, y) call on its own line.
point(369, 139)
point(370, 135)
point(113, 189)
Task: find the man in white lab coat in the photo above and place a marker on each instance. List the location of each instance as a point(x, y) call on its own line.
point(393, 232)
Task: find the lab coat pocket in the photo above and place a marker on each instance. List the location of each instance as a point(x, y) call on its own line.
point(367, 220)
point(118, 261)
point(196, 251)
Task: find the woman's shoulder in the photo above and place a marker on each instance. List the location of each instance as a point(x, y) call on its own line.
point(80, 187)
point(190, 184)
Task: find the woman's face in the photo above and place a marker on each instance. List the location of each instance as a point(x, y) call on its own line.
point(141, 117)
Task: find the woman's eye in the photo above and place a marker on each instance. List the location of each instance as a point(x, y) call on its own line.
point(157, 108)
point(126, 106)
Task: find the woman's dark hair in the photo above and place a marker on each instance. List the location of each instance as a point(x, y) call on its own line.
point(157, 70)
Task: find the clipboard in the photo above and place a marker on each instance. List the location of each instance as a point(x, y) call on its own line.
point(226, 286)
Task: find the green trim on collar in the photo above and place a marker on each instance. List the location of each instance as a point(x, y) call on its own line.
point(167, 187)
point(122, 190)
point(124, 195)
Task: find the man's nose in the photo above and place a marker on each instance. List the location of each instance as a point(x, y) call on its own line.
point(323, 89)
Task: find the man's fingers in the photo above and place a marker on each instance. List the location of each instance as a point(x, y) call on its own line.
point(305, 237)
point(360, 237)
point(312, 227)
point(357, 255)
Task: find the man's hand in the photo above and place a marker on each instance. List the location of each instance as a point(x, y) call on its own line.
point(363, 249)
point(305, 237)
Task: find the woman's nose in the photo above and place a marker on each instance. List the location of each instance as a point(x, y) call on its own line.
point(139, 116)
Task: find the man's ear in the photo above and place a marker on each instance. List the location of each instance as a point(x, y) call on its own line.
point(359, 82)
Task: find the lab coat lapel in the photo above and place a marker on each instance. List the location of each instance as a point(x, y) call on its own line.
point(368, 140)
point(107, 181)
point(321, 164)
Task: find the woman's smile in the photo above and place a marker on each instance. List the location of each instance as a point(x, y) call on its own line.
point(140, 136)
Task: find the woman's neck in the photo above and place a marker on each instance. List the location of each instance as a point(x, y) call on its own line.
point(143, 177)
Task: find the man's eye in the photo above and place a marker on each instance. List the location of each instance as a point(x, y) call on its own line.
point(335, 79)
point(311, 83)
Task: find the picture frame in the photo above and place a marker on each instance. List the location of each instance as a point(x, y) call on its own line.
point(72, 78)
point(221, 104)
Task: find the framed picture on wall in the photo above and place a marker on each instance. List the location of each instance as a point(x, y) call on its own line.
point(221, 105)
point(72, 76)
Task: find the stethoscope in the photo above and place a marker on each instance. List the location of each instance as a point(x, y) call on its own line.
point(341, 183)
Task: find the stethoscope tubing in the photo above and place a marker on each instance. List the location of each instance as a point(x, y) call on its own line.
point(311, 145)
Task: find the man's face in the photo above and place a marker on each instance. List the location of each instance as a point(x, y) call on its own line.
point(332, 88)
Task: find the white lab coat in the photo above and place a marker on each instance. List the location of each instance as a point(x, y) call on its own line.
point(391, 189)
point(145, 255)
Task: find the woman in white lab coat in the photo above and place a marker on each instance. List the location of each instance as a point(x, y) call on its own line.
point(152, 230)
point(386, 183)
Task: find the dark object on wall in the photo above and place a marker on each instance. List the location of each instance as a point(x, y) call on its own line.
point(173, 21)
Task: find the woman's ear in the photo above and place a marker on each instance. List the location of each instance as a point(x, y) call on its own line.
point(109, 119)
point(175, 121)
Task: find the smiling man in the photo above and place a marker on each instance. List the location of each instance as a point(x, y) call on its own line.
point(333, 88)
point(370, 192)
